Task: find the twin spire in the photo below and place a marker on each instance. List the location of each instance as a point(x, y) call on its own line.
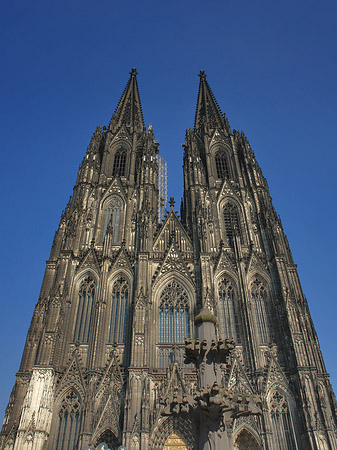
point(208, 115)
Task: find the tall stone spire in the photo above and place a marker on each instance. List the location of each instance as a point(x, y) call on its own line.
point(208, 115)
point(129, 109)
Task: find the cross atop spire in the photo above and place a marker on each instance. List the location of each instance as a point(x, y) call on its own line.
point(129, 109)
point(208, 115)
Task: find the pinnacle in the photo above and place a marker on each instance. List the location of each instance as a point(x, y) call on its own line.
point(208, 115)
point(129, 109)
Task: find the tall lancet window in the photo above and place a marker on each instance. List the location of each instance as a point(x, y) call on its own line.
point(228, 302)
point(283, 428)
point(85, 304)
point(138, 166)
point(113, 214)
point(221, 163)
point(173, 314)
point(119, 311)
point(69, 422)
point(232, 222)
point(119, 163)
point(260, 310)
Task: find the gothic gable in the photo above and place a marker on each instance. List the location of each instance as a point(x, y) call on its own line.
point(229, 190)
point(238, 381)
point(274, 375)
point(173, 262)
point(114, 187)
point(121, 136)
point(122, 261)
point(219, 138)
point(172, 229)
point(89, 260)
point(255, 264)
point(225, 263)
point(72, 377)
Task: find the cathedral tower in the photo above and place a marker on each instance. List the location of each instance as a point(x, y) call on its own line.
point(146, 321)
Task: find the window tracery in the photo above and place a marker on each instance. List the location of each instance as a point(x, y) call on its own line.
point(85, 303)
point(119, 163)
point(232, 222)
point(229, 309)
point(119, 311)
point(221, 164)
point(69, 421)
point(259, 303)
point(173, 314)
point(113, 215)
point(283, 429)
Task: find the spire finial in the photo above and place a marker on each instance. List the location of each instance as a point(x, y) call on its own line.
point(133, 71)
point(172, 202)
point(202, 75)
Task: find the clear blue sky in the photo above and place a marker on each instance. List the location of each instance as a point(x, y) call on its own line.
point(273, 69)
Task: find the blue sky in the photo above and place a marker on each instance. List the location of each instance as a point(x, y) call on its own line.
point(273, 69)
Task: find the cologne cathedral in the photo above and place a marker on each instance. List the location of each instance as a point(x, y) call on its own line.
point(159, 330)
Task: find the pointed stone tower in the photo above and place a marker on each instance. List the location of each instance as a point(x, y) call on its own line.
point(105, 359)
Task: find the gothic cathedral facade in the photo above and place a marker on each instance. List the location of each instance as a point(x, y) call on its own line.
point(104, 360)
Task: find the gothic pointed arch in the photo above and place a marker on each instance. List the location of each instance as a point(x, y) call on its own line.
point(113, 218)
point(260, 298)
point(246, 440)
point(119, 301)
point(66, 422)
point(108, 437)
point(182, 426)
point(119, 162)
point(173, 300)
point(222, 167)
point(229, 308)
point(231, 217)
point(83, 308)
point(282, 419)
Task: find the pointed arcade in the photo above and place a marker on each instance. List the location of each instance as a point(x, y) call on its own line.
point(208, 116)
point(129, 109)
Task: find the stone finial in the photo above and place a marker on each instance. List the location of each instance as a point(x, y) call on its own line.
point(202, 75)
point(172, 202)
point(133, 71)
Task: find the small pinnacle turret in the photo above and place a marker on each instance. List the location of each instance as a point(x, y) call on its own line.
point(129, 109)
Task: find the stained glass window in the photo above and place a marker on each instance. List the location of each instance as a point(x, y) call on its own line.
point(113, 214)
point(173, 314)
point(85, 303)
point(221, 164)
point(232, 222)
point(228, 303)
point(69, 422)
point(119, 311)
point(259, 305)
point(283, 429)
point(119, 163)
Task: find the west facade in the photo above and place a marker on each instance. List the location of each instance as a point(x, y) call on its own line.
point(104, 359)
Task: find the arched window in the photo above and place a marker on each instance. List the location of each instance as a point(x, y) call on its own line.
point(119, 310)
point(232, 222)
point(119, 163)
point(173, 314)
point(260, 310)
point(221, 163)
point(69, 422)
point(283, 429)
point(85, 303)
point(229, 310)
point(113, 215)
